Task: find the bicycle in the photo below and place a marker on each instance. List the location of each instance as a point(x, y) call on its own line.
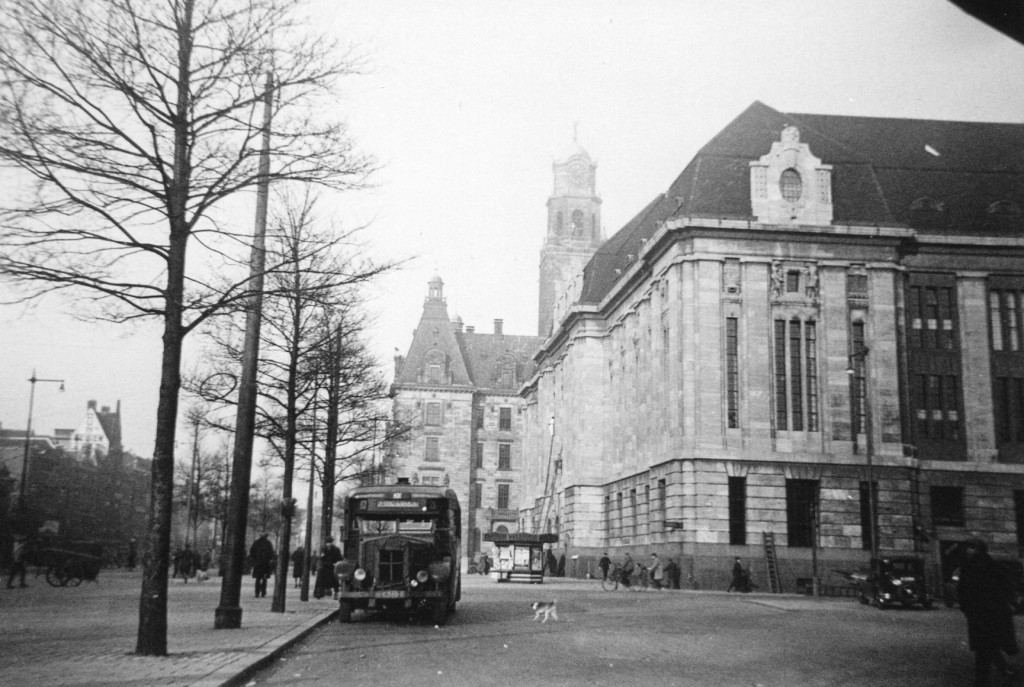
point(640, 580)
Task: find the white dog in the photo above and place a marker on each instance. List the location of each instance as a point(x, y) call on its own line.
point(549, 609)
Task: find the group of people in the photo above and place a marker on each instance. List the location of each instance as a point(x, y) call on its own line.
point(186, 562)
point(661, 575)
point(264, 561)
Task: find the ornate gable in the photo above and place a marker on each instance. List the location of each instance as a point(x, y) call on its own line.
point(789, 185)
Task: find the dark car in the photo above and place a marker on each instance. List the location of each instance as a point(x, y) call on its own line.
point(894, 582)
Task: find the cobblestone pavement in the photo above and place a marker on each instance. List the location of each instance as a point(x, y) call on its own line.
point(83, 636)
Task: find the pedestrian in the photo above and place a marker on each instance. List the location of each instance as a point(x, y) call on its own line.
point(187, 563)
point(628, 567)
point(672, 574)
point(604, 563)
point(298, 561)
point(552, 563)
point(133, 554)
point(656, 571)
point(18, 553)
point(325, 577)
point(262, 554)
point(985, 594)
point(561, 566)
point(738, 574)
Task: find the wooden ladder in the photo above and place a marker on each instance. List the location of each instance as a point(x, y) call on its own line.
point(772, 563)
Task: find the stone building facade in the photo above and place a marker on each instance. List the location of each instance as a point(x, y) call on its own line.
point(457, 391)
point(814, 333)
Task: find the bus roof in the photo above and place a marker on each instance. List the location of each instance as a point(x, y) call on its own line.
point(407, 490)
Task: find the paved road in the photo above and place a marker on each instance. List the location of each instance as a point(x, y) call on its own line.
point(685, 639)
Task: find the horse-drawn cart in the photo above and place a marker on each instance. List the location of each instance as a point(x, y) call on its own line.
point(69, 565)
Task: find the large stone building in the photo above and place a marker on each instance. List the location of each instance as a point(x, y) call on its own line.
point(456, 390)
point(817, 304)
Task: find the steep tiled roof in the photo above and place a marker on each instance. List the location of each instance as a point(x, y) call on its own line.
point(470, 359)
point(955, 171)
point(488, 354)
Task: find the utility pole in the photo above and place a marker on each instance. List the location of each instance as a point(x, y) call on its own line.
point(228, 614)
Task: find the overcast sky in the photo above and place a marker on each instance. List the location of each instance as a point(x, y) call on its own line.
point(467, 104)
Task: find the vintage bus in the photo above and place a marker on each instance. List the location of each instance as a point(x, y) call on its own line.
point(401, 551)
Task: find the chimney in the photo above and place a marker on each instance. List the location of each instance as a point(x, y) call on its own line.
point(91, 405)
point(497, 326)
point(105, 410)
point(457, 325)
point(470, 329)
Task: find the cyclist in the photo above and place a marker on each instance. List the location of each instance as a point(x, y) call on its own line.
point(604, 564)
point(628, 568)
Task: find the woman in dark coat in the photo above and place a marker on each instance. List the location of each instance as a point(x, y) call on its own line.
point(985, 594)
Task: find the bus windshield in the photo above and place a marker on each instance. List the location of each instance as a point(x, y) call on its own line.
point(374, 526)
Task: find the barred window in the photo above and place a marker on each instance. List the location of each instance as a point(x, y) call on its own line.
point(433, 414)
point(796, 375)
point(790, 185)
point(732, 371)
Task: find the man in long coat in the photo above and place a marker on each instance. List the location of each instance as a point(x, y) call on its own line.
point(985, 594)
point(262, 554)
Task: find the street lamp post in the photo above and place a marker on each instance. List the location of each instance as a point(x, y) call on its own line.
point(859, 390)
point(28, 433)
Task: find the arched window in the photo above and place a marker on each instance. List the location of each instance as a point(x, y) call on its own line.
point(790, 185)
point(577, 223)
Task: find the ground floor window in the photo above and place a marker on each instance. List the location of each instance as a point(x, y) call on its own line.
point(801, 504)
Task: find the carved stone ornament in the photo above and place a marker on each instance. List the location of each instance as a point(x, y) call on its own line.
point(789, 185)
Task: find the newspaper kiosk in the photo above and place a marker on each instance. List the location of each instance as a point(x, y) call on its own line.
point(519, 557)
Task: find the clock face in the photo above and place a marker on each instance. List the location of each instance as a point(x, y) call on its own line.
point(578, 174)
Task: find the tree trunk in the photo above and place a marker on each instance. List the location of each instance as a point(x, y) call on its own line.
point(152, 634)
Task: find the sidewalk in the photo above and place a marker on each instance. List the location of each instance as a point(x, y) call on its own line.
point(84, 636)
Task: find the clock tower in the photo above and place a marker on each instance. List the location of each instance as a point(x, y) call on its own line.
point(573, 234)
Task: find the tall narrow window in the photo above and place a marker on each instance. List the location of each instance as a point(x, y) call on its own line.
point(811, 361)
point(796, 387)
point(996, 320)
point(796, 375)
point(732, 371)
point(662, 500)
point(478, 415)
point(505, 419)
point(479, 457)
point(781, 409)
point(801, 503)
point(866, 526)
point(737, 510)
point(790, 185)
point(504, 456)
point(858, 381)
point(433, 450)
point(503, 495)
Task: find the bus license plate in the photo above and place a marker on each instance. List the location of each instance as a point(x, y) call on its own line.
point(390, 595)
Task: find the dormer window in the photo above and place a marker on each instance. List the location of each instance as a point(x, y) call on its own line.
point(790, 185)
point(1003, 207)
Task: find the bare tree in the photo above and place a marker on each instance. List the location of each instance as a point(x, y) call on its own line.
point(323, 277)
point(125, 127)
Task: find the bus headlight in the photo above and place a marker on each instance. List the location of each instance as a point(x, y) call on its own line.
point(422, 576)
point(360, 574)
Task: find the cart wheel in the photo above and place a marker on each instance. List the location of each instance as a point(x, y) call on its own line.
point(73, 579)
point(53, 577)
point(344, 612)
point(863, 599)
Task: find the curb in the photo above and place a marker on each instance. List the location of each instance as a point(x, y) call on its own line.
point(237, 672)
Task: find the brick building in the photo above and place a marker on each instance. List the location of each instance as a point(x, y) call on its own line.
point(817, 326)
point(457, 390)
